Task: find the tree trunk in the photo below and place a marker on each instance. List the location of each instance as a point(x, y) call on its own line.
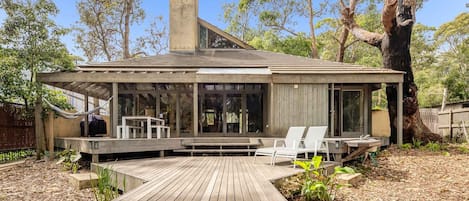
point(398, 19)
point(127, 12)
point(314, 47)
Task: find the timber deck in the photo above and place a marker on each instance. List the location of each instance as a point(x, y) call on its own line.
point(203, 178)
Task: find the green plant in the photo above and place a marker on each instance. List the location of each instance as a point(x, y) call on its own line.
point(14, 155)
point(69, 159)
point(463, 149)
point(317, 185)
point(106, 188)
point(416, 143)
point(433, 146)
point(406, 146)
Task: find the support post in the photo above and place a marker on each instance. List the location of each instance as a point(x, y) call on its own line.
point(87, 120)
point(50, 135)
point(195, 108)
point(332, 112)
point(450, 123)
point(96, 104)
point(115, 102)
point(178, 114)
point(271, 110)
point(38, 128)
point(400, 100)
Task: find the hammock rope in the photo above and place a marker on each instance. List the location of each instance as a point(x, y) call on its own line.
point(70, 115)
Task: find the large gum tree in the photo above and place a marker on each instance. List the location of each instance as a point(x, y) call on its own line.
point(398, 18)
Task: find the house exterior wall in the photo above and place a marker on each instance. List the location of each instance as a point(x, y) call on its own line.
point(297, 105)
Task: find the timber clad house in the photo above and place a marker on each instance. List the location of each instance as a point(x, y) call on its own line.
point(212, 84)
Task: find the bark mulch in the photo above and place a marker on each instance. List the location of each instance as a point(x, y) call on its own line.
point(39, 180)
point(415, 174)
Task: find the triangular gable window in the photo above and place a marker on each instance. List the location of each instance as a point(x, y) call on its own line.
point(210, 39)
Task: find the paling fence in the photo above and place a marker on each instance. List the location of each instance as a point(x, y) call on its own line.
point(16, 129)
point(454, 123)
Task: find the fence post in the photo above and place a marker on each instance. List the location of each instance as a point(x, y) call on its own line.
point(451, 124)
point(50, 135)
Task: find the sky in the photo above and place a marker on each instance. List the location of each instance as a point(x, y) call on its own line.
point(434, 13)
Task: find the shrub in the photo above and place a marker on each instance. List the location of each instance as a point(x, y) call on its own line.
point(107, 187)
point(14, 155)
point(416, 143)
point(69, 159)
point(406, 146)
point(433, 146)
point(317, 185)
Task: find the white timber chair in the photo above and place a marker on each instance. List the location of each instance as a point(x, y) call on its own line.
point(291, 141)
point(313, 142)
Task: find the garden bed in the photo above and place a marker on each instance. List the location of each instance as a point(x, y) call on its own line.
point(405, 174)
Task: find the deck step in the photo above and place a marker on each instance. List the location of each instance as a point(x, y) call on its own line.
point(214, 150)
point(218, 144)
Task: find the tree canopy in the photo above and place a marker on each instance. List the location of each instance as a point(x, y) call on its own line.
point(30, 44)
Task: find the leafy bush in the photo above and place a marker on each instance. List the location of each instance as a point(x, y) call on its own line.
point(406, 146)
point(433, 146)
point(15, 155)
point(463, 149)
point(69, 160)
point(107, 187)
point(317, 185)
point(417, 143)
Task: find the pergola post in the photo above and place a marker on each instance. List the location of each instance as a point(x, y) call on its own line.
point(195, 108)
point(87, 120)
point(50, 135)
point(332, 112)
point(400, 113)
point(115, 102)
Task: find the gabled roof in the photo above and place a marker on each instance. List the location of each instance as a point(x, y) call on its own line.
point(236, 58)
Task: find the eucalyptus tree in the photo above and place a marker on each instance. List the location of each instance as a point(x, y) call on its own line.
point(30, 44)
point(104, 30)
point(398, 18)
point(453, 38)
point(278, 17)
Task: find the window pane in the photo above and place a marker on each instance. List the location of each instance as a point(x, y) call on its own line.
point(211, 113)
point(351, 111)
point(185, 110)
point(254, 113)
point(233, 113)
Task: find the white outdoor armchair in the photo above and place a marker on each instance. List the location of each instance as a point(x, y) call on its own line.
point(313, 142)
point(291, 141)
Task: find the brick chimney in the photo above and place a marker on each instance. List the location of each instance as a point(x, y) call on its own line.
point(183, 29)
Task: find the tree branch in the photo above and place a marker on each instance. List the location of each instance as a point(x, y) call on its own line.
point(348, 20)
point(389, 15)
point(350, 44)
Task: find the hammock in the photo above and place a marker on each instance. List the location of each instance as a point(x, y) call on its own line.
point(70, 115)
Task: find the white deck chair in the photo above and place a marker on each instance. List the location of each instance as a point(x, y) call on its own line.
point(313, 142)
point(291, 141)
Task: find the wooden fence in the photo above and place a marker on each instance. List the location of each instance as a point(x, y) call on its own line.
point(430, 118)
point(450, 123)
point(16, 131)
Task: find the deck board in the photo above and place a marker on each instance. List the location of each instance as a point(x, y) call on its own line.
point(203, 178)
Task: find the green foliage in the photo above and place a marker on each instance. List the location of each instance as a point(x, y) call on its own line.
point(463, 149)
point(106, 188)
point(416, 143)
point(10, 156)
point(433, 146)
point(69, 160)
point(317, 185)
point(406, 146)
point(30, 44)
point(453, 38)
